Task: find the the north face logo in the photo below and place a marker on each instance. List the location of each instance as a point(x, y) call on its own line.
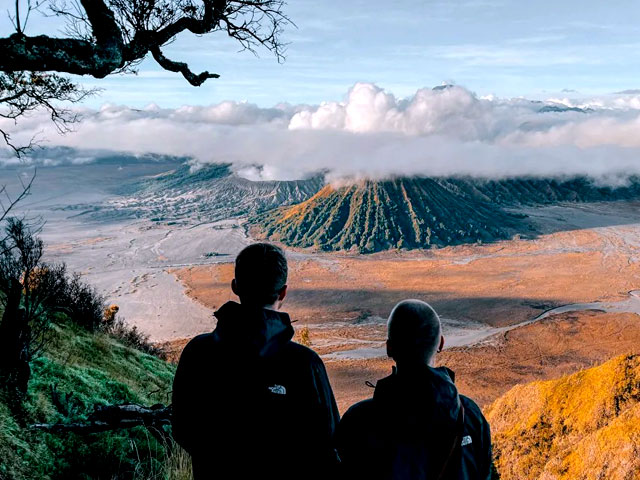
point(278, 390)
point(466, 440)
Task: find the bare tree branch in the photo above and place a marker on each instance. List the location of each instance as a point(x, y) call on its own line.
point(114, 417)
point(192, 78)
point(113, 36)
point(17, 25)
point(123, 32)
point(23, 92)
point(26, 190)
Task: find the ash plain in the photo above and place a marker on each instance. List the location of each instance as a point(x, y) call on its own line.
point(95, 224)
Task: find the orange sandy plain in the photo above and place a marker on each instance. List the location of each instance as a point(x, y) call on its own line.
point(501, 284)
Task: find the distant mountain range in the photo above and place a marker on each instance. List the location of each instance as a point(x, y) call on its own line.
point(209, 193)
point(370, 216)
point(365, 216)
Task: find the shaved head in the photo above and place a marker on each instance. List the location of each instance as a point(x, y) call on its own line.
point(414, 332)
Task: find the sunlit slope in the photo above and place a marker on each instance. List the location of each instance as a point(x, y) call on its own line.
point(584, 426)
point(405, 213)
point(370, 216)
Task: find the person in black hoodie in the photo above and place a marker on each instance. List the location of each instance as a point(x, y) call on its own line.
point(248, 402)
point(416, 426)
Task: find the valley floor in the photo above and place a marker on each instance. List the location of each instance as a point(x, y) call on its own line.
point(168, 277)
point(514, 311)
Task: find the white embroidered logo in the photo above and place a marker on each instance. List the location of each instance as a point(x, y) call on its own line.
point(278, 390)
point(466, 440)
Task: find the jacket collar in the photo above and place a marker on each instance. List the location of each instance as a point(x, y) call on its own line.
point(428, 393)
point(253, 330)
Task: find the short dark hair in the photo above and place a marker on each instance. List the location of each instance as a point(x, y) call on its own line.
point(414, 331)
point(261, 273)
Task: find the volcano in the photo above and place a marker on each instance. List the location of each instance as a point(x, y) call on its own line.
point(370, 216)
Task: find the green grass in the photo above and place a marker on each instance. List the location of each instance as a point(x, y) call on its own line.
point(86, 369)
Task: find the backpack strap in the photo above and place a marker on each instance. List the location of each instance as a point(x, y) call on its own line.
point(457, 441)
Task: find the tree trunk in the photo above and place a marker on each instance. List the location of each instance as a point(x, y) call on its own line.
point(14, 344)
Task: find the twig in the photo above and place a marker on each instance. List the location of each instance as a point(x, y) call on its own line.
point(114, 417)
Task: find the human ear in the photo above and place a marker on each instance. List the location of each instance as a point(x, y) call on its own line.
point(282, 293)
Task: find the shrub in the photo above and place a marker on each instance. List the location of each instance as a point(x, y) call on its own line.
point(304, 336)
point(129, 335)
point(87, 309)
point(82, 303)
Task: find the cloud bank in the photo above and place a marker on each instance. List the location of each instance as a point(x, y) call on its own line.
point(443, 131)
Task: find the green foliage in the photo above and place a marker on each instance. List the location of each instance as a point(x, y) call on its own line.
point(85, 369)
point(82, 303)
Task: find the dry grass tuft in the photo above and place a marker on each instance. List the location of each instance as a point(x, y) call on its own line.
point(179, 465)
point(176, 465)
point(303, 337)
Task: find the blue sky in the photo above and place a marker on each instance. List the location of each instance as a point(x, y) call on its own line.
point(502, 47)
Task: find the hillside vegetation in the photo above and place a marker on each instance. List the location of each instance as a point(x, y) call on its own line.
point(585, 426)
point(371, 216)
point(77, 370)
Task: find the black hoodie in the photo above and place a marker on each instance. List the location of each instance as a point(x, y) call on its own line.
point(410, 427)
point(250, 403)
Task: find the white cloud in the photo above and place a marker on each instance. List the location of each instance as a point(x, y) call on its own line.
point(445, 131)
point(369, 109)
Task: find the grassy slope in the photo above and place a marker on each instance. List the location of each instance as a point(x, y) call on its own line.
point(92, 369)
point(583, 426)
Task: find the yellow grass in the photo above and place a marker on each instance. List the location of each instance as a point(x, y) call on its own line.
point(582, 426)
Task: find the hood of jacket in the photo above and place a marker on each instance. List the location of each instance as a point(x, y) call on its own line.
point(253, 330)
point(426, 398)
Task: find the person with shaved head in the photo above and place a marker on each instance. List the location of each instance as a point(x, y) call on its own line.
point(416, 426)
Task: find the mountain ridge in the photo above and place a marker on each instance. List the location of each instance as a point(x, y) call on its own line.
point(209, 193)
point(372, 216)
